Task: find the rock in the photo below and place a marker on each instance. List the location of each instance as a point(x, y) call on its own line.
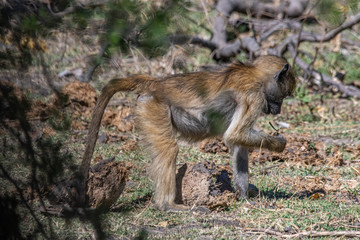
point(204, 184)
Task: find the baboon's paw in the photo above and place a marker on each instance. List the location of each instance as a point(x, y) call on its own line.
point(172, 207)
point(176, 208)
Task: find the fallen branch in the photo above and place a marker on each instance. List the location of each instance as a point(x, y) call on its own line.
point(264, 29)
point(347, 90)
point(277, 25)
point(309, 37)
point(316, 38)
point(305, 234)
point(184, 39)
point(265, 170)
point(225, 7)
point(349, 42)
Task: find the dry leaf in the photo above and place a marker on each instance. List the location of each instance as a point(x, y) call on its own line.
point(121, 117)
point(163, 224)
point(48, 132)
point(128, 146)
point(316, 196)
point(77, 125)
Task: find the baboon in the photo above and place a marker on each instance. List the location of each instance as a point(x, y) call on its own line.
point(198, 105)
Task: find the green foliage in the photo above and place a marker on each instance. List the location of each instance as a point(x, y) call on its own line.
point(335, 12)
point(29, 25)
point(330, 12)
point(131, 23)
point(350, 65)
point(232, 32)
point(81, 18)
point(128, 24)
point(302, 94)
point(353, 4)
point(242, 57)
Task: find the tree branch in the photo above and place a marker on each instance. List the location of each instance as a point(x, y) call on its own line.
point(309, 37)
point(95, 63)
point(347, 90)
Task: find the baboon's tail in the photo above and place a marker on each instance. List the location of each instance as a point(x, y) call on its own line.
point(134, 83)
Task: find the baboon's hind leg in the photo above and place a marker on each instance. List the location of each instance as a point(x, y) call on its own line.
point(155, 121)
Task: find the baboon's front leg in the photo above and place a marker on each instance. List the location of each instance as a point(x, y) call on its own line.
point(241, 170)
point(241, 132)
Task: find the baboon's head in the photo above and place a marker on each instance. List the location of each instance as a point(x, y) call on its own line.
point(280, 82)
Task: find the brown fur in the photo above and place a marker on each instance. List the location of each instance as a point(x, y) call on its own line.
point(198, 105)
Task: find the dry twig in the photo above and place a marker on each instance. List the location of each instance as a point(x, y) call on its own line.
point(305, 234)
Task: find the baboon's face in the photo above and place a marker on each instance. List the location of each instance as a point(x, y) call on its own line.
point(278, 88)
point(273, 106)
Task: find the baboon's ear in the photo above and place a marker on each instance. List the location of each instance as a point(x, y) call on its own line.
point(279, 76)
